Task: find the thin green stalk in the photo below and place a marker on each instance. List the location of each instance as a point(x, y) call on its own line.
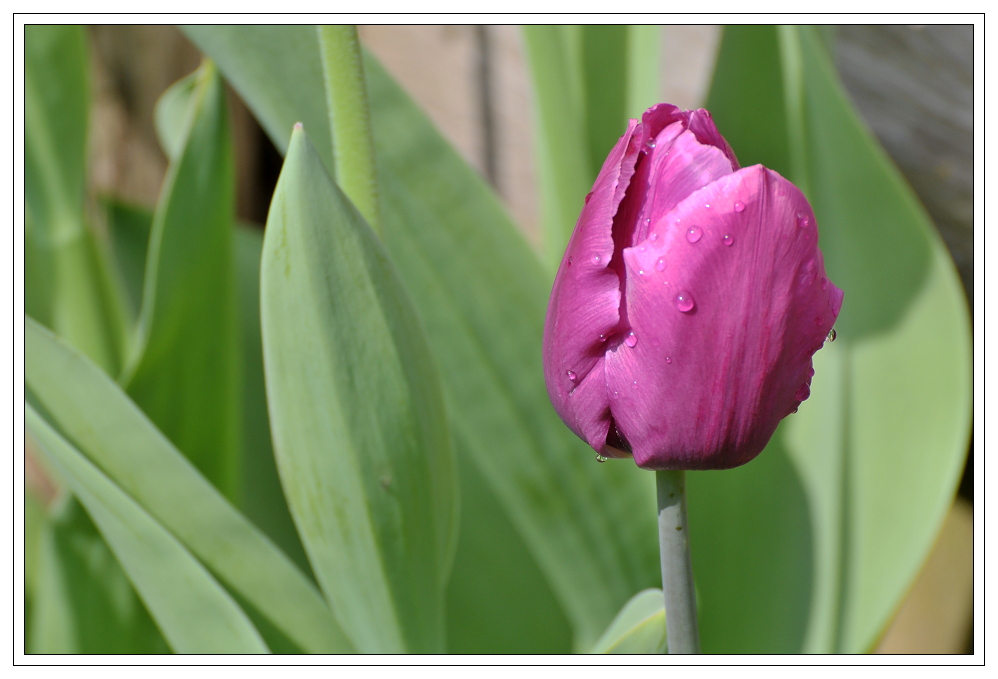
point(350, 120)
point(677, 572)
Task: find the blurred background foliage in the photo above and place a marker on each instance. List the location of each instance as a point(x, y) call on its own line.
point(912, 86)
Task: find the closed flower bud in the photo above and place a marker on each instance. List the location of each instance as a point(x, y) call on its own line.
point(689, 302)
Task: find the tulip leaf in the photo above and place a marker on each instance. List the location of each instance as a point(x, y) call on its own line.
point(638, 628)
point(195, 614)
point(482, 294)
point(870, 463)
point(129, 227)
point(184, 371)
point(67, 280)
point(85, 603)
point(357, 415)
point(100, 420)
point(172, 114)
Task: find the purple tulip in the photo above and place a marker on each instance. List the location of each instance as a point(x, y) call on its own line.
point(689, 302)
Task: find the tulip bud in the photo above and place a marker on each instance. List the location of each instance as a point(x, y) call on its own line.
point(689, 302)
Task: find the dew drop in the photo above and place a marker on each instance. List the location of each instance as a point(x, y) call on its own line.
point(569, 261)
point(600, 458)
point(651, 143)
point(660, 264)
point(795, 410)
point(596, 259)
point(803, 220)
point(571, 375)
point(653, 236)
point(642, 248)
point(707, 205)
point(668, 360)
point(739, 206)
point(802, 393)
point(602, 338)
point(831, 335)
point(694, 233)
point(635, 383)
point(641, 272)
point(824, 283)
point(588, 196)
point(684, 301)
point(631, 339)
point(728, 239)
point(648, 221)
point(810, 372)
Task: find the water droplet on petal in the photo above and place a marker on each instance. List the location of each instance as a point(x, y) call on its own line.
point(571, 375)
point(631, 339)
point(831, 335)
point(600, 458)
point(694, 233)
point(635, 383)
point(684, 301)
point(824, 283)
point(648, 221)
point(602, 338)
point(651, 143)
point(707, 205)
point(668, 360)
point(739, 206)
point(803, 220)
point(595, 259)
point(642, 248)
point(653, 236)
point(810, 372)
point(660, 264)
point(802, 393)
point(641, 272)
point(795, 410)
point(728, 239)
point(570, 261)
point(588, 196)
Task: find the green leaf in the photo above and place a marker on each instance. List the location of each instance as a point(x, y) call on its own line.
point(100, 420)
point(563, 158)
point(638, 628)
point(85, 603)
point(357, 415)
point(812, 546)
point(184, 373)
point(263, 500)
point(192, 610)
point(482, 294)
point(173, 112)
point(67, 280)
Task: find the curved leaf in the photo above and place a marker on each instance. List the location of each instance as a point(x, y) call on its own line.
point(193, 611)
point(357, 415)
point(638, 628)
point(90, 409)
point(184, 373)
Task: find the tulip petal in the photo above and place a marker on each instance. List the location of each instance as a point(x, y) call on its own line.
point(678, 165)
point(585, 300)
point(724, 327)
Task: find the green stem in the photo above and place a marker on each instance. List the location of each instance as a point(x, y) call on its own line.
point(677, 572)
point(350, 120)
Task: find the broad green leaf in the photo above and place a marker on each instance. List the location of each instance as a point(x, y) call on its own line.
point(482, 293)
point(812, 546)
point(85, 602)
point(357, 415)
point(638, 628)
point(100, 420)
point(498, 601)
point(194, 613)
point(184, 373)
point(66, 278)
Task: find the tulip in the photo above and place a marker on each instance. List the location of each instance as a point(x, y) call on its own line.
point(690, 300)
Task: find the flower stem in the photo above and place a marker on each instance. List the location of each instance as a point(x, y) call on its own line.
point(677, 572)
point(350, 120)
